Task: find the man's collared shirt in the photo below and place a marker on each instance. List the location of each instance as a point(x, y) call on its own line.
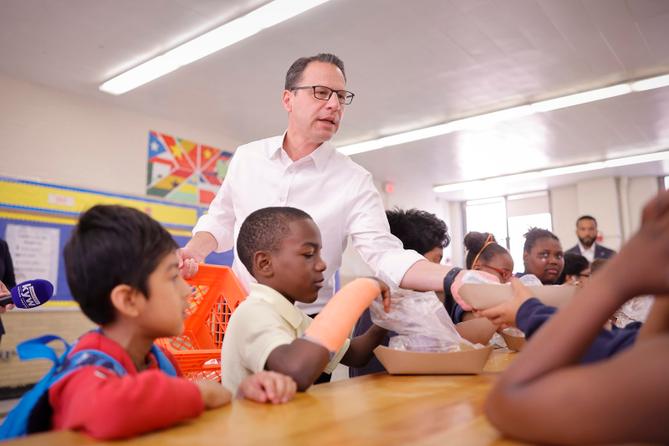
point(338, 194)
point(588, 253)
point(264, 321)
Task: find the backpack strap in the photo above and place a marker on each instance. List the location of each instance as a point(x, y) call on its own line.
point(163, 362)
point(33, 413)
point(16, 422)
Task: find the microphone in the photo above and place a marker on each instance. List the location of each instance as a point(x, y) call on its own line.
point(29, 294)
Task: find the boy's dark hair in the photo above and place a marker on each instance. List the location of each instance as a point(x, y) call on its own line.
point(110, 246)
point(418, 230)
point(264, 229)
point(573, 265)
point(295, 71)
point(475, 241)
point(534, 234)
point(586, 217)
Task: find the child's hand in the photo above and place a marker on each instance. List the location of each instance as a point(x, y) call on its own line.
point(504, 314)
point(385, 293)
point(264, 387)
point(642, 266)
point(213, 394)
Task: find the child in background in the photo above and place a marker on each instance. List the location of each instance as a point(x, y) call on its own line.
point(540, 398)
point(281, 248)
point(543, 255)
point(576, 270)
point(483, 254)
point(421, 231)
point(122, 270)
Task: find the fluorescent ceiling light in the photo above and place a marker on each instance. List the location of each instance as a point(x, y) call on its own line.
point(581, 98)
point(650, 83)
point(486, 119)
point(225, 35)
point(553, 172)
point(471, 123)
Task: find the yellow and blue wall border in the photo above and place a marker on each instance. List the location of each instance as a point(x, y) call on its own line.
point(50, 205)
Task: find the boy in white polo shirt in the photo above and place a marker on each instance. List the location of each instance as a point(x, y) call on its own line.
point(281, 247)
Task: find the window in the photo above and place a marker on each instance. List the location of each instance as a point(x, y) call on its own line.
point(509, 218)
point(487, 215)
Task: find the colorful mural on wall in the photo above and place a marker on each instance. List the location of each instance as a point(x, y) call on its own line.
point(183, 170)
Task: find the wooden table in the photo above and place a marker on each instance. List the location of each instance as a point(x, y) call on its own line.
point(371, 410)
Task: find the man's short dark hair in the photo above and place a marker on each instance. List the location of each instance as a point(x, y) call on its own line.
point(110, 246)
point(418, 230)
point(534, 234)
point(294, 74)
point(586, 217)
point(264, 230)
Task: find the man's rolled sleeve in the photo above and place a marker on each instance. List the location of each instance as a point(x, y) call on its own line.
point(371, 237)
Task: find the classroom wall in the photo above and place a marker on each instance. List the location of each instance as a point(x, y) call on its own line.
point(57, 137)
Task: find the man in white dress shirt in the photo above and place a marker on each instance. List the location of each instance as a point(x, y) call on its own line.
point(302, 169)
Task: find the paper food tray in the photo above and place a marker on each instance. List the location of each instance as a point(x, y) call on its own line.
point(398, 362)
point(515, 343)
point(486, 295)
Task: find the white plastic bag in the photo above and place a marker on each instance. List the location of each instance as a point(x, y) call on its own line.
point(420, 320)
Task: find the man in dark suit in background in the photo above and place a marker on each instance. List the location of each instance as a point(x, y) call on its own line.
point(586, 231)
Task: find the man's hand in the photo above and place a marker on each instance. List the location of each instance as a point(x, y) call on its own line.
point(504, 314)
point(188, 265)
point(268, 387)
point(195, 251)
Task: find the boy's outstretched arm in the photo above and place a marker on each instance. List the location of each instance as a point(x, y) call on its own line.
point(360, 351)
point(302, 360)
point(542, 397)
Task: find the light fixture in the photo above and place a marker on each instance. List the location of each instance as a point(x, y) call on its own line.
point(486, 119)
point(581, 98)
point(225, 35)
point(553, 172)
point(650, 83)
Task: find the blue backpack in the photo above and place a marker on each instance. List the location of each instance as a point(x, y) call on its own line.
point(33, 412)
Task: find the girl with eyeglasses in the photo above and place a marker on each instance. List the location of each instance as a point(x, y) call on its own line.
point(485, 254)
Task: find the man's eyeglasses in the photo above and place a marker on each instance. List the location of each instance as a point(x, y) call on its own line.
point(325, 93)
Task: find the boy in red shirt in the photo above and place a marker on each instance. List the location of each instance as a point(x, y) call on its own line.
point(122, 269)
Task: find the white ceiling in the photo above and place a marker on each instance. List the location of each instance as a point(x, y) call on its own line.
point(410, 63)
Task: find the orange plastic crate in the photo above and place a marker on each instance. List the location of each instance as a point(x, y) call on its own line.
point(216, 294)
